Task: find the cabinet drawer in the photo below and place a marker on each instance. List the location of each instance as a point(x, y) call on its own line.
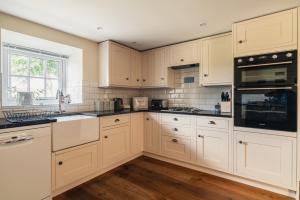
point(176, 119)
point(212, 123)
point(75, 164)
point(114, 120)
point(176, 147)
point(177, 130)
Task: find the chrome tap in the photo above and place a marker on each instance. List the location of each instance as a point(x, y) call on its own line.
point(62, 99)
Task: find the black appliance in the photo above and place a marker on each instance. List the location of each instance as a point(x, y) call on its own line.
point(158, 104)
point(265, 94)
point(118, 104)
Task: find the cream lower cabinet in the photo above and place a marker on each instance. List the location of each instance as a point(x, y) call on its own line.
point(137, 133)
point(267, 158)
point(152, 133)
point(74, 164)
point(270, 33)
point(213, 149)
point(176, 147)
point(115, 145)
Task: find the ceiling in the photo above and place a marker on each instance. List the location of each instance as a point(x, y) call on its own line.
point(142, 24)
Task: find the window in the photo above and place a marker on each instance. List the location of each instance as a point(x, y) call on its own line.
point(32, 76)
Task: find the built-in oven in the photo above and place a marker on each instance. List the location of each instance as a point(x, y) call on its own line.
point(266, 108)
point(265, 91)
point(276, 69)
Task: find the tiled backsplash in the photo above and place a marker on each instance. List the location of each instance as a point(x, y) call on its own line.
point(189, 94)
point(184, 94)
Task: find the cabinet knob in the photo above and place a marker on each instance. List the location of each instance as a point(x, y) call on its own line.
point(106, 137)
point(242, 142)
point(144, 80)
point(60, 162)
point(181, 59)
point(212, 122)
point(174, 140)
point(200, 136)
point(175, 129)
point(205, 75)
point(127, 78)
point(147, 119)
point(240, 41)
point(117, 120)
point(137, 80)
point(175, 119)
point(162, 78)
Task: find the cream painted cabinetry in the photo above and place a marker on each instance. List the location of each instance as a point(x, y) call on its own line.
point(137, 133)
point(147, 68)
point(115, 139)
point(267, 158)
point(73, 164)
point(152, 132)
point(185, 53)
point(136, 69)
point(270, 33)
point(216, 60)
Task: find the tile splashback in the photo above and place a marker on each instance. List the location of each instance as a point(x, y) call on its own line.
point(183, 94)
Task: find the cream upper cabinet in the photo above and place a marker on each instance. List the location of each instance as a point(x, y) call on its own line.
point(147, 68)
point(137, 133)
point(216, 60)
point(115, 145)
point(185, 53)
point(271, 33)
point(213, 149)
point(136, 68)
point(267, 158)
point(152, 133)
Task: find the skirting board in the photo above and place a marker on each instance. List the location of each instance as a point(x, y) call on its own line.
point(225, 175)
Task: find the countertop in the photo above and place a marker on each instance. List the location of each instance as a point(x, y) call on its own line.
point(6, 124)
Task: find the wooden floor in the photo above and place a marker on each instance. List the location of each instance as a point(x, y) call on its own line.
point(150, 179)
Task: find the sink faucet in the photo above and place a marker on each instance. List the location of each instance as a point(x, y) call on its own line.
point(62, 99)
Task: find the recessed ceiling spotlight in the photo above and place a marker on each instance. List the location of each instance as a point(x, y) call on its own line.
point(203, 24)
point(99, 28)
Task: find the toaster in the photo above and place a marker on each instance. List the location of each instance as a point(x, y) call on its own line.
point(140, 103)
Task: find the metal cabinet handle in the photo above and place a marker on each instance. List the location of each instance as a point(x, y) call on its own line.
point(205, 75)
point(212, 122)
point(106, 137)
point(127, 78)
point(117, 120)
point(181, 59)
point(201, 136)
point(147, 119)
point(16, 139)
point(175, 129)
point(175, 119)
point(240, 41)
point(144, 80)
point(242, 142)
point(137, 80)
point(60, 162)
point(174, 140)
point(162, 78)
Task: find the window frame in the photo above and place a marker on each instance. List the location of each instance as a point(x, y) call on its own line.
point(8, 51)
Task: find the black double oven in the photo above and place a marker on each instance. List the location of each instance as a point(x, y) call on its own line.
point(265, 91)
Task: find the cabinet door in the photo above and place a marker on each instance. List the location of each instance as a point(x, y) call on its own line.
point(212, 149)
point(160, 68)
point(266, 158)
point(137, 133)
point(136, 69)
point(275, 32)
point(217, 60)
point(75, 164)
point(119, 65)
point(176, 147)
point(152, 133)
point(147, 68)
point(185, 53)
point(115, 145)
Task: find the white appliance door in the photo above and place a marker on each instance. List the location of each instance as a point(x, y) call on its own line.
point(25, 164)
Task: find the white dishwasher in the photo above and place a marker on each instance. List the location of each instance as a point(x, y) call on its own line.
point(25, 164)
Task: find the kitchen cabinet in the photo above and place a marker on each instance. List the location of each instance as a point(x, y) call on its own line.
point(147, 68)
point(137, 133)
point(136, 69)
point(267, 158)
point(118, 65)
point(216, 60)
point(176, 147)
point(185, 53)
point(115, 145)
point(74, 164)
point(152, 133)
point(213, 149)
point(270, 33)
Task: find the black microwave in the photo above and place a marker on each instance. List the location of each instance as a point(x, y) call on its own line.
point(275, 69)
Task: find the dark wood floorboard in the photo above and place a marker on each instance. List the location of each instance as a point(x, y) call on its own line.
point(149, 179)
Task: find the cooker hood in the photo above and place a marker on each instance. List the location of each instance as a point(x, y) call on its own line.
point(185, 66)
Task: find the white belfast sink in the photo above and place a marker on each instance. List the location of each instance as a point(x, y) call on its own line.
point(74, 130)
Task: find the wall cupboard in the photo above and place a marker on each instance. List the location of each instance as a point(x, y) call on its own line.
point(270, 33)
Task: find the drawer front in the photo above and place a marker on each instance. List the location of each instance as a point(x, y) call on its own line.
point(114, 120)
point(176, 129)
point(176, 147)
point(212, 123)
point(176, 119)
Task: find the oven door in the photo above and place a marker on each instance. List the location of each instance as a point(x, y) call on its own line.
point(267, 74)
point(266, 108)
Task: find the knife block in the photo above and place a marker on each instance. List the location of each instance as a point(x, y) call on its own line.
point(225, 106)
